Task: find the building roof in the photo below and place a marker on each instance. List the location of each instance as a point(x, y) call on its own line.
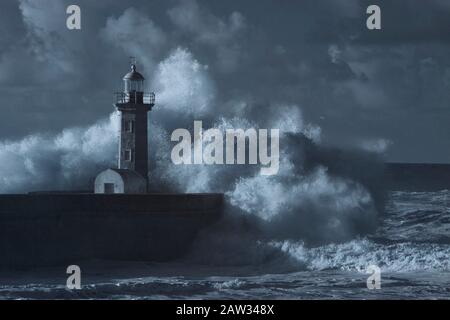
point(133, 75)
point(127, 174)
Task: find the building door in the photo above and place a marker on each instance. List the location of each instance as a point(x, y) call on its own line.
point(109, 187)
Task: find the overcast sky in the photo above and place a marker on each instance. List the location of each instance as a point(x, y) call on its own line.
point(386, 90)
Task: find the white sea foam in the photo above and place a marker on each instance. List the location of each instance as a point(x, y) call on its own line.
point(230, 284)
point(357, 255)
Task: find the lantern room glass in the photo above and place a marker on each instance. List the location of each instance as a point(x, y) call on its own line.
point(133, 85)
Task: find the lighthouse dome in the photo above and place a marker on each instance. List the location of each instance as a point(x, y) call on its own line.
point(133, 75)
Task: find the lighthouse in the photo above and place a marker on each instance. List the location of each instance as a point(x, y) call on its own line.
point(133, 104)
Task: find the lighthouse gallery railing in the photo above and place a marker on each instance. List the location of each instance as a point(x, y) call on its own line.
point(132, 97)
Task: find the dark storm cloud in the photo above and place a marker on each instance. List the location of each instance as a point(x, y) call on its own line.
point(364, 88)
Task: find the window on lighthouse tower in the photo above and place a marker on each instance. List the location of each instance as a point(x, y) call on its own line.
point(128, 126)
point(128, 155)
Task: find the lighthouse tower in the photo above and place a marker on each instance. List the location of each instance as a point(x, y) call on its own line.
point(133, 104)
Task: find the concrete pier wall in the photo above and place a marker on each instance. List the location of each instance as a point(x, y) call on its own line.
point(52, 229)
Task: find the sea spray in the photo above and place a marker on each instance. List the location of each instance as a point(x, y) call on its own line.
point(319, 195)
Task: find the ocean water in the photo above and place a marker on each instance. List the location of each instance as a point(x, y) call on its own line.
point(411, 247)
